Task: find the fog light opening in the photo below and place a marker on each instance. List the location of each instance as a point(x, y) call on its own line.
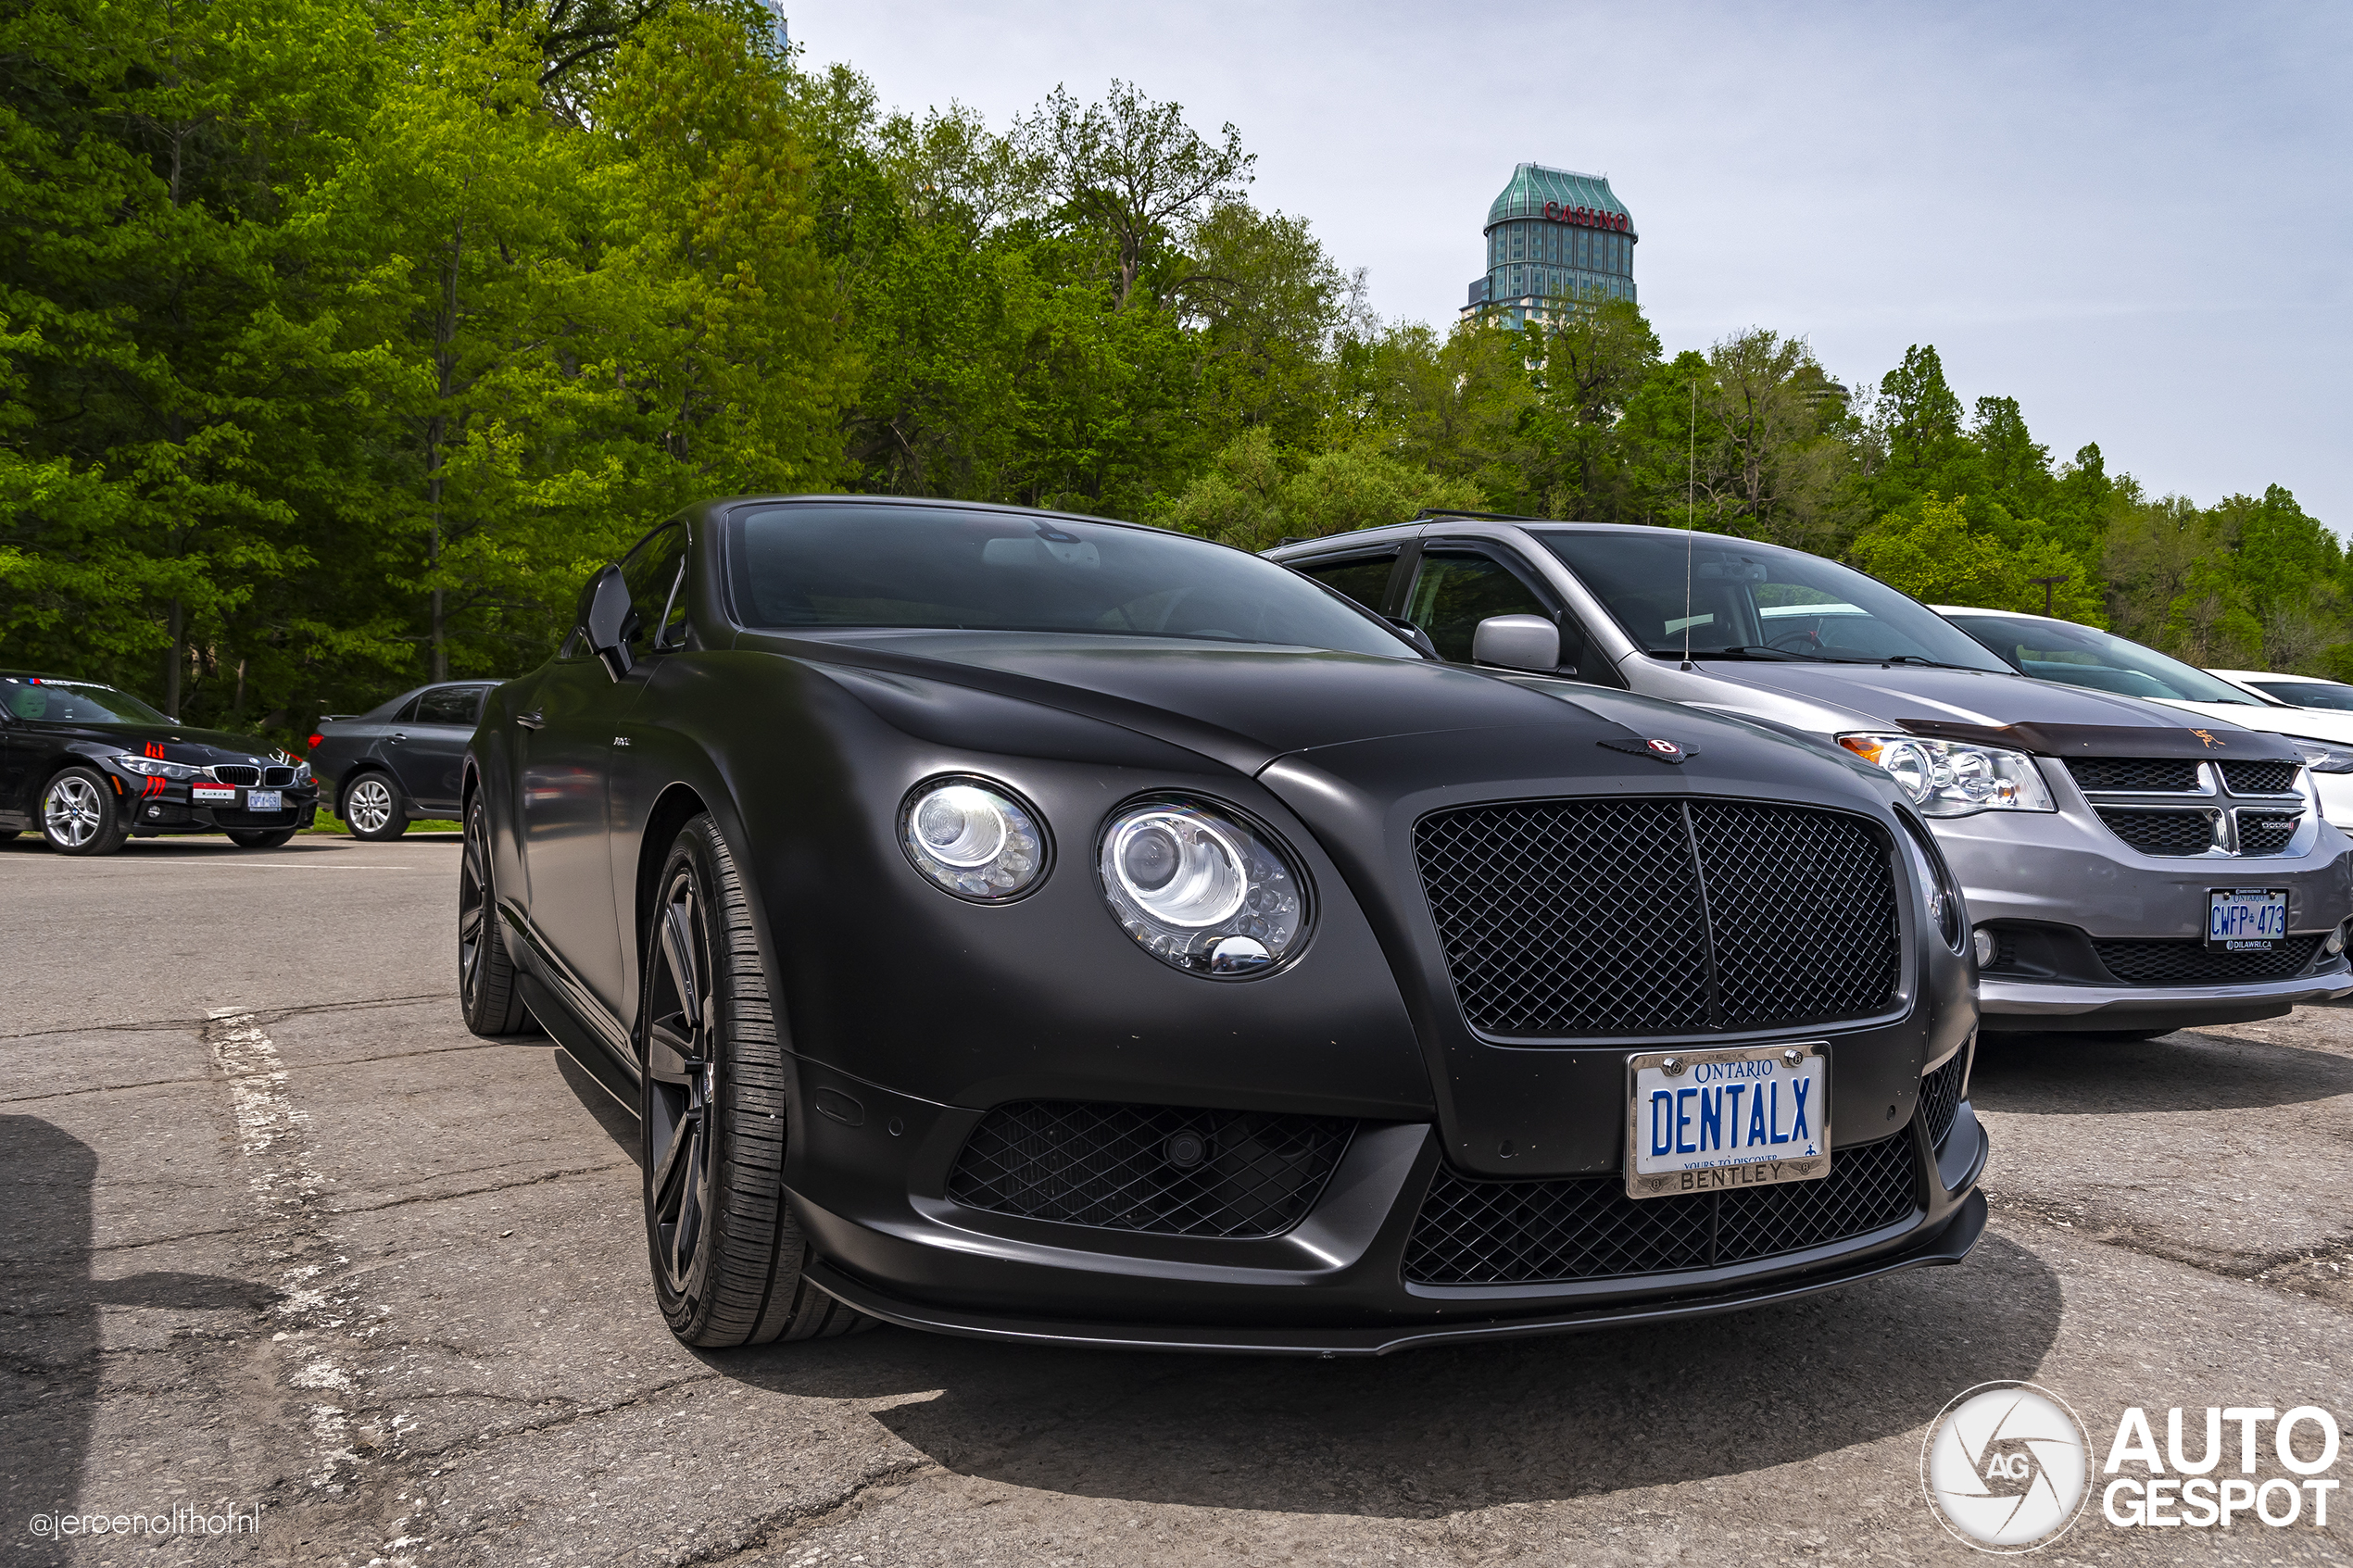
point(1186, 1151)
point(1985, 949)
point(2335, 943)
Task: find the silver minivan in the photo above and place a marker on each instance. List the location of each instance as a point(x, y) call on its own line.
point(2129, 871)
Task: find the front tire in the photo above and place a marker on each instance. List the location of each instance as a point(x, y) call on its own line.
point(726, 1250)
point(260, 838)
point(372, 809)
point(79, 814)
point(487, 993)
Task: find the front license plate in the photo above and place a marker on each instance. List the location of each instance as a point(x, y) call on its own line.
point(212, 792)
point(1714, 1121)
point(2245, 920)
point(265, 801)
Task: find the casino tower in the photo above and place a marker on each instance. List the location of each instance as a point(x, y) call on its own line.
point(1554, 234)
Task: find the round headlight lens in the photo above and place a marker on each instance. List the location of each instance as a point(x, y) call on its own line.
point(1199, 888)
point(976, 841)
point(1179, 868)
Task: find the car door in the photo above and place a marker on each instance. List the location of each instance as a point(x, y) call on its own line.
point(427, 748)
point(566, 749)
point(1456, 586)
point(26, 749)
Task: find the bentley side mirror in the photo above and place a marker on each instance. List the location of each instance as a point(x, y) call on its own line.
point(1518, 642)
point(604, 620)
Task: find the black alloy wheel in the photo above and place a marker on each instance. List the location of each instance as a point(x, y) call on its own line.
point(372, 809)
point(726, 1250)
point(260, 838)
point(80, 815)
point(486, 990)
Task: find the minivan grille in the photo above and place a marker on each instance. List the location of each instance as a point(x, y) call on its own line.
point(2261, 778)
point(2162, 832)
point(2267, 832)
point(1581, 918)
point(2192, 962)
point(1472, 1232)
point(2134, 775)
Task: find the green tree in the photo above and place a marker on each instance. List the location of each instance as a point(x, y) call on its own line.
point(1932, 552)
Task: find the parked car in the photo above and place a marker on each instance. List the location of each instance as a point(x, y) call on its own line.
point(2076, 654)
point(2120, 883)
point(2297, 691)
point(89, 767)
point(400, 762)
point(1043, 928)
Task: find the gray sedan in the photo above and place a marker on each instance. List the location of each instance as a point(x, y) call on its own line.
point(399, 761)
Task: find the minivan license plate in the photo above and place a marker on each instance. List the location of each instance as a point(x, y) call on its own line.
point(264, 801)
point(1716, 1121)
point(2245, 920)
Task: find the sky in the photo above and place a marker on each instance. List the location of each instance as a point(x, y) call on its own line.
point(2134, 219)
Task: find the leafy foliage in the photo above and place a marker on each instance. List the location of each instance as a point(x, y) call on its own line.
point(341, 339)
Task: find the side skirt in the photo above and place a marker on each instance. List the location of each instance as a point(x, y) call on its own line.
point(572, 1012)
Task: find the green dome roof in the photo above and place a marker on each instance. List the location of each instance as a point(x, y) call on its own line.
point(1532, 185)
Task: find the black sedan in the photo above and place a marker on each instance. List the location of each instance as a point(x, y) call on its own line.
point(90, 766)
point(400, 760)
point(1034, 927)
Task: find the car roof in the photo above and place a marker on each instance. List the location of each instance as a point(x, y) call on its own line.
point(2005, 614)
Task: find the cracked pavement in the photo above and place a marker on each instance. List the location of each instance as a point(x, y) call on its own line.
point(287, 1239)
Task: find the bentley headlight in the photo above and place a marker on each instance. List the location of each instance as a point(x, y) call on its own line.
point(2322, 755)
point(973, 839)
point(1198, 888)
point(1948, 778)
point(1944, 899)
point(154, 767)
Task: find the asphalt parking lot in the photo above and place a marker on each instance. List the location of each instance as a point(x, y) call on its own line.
point(286, 1239)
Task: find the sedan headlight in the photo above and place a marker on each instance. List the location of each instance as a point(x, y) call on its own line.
point(2323, 756)
point(156, 769)
point(1947, 777)
point(1198, 888)
point(973, 838)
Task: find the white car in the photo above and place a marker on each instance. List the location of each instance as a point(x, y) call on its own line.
point(2084, 656)
point(2297, 691)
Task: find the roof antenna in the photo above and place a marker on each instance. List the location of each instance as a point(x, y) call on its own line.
point(1690, 500)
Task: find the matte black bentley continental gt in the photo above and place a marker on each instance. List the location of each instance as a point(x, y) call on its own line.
point(1035, 927)
point(89, 767)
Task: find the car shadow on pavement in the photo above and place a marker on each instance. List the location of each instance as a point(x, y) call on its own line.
point(1433, 1432)
point(50, 1338)
point(2068, 1075)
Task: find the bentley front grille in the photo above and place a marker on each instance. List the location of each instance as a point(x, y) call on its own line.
point(1581, 918)
point(1484, 1232)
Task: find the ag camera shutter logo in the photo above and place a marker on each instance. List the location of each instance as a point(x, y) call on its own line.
point(2007, 1467)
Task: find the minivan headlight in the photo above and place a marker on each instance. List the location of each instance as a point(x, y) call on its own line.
point(1199, 888)
point(1950, 778)
point(2322, 756)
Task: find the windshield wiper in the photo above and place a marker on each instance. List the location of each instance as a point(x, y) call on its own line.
point(1936, 663)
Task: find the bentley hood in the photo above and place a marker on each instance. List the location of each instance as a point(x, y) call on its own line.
point(1242, 705)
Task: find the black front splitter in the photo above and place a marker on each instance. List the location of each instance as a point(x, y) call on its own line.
point(1949, 1244)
